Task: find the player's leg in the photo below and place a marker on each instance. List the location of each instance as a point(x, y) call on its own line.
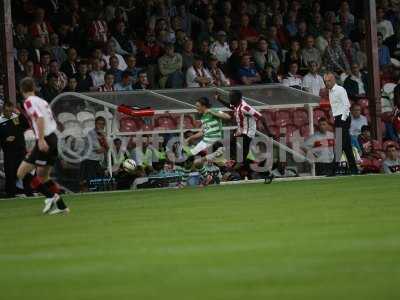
point(201, 146)
point(57, 202)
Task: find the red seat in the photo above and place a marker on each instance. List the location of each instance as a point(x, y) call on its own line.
point(269, 116)
point(305, 131)
point(300, 117)
point(128, 125)
point(275, 131)
point(318, 113)
point(165, 122)
point(283, 117)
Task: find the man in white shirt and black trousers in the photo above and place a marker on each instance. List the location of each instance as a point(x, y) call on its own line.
point(340, 105)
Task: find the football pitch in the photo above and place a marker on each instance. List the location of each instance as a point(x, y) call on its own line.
point(320, 239)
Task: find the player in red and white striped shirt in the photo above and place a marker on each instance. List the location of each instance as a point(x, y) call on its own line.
point(45, 153)
point(246, 118)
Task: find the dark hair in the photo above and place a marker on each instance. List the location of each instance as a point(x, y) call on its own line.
point(45, 53)
point(100, 118)
point(204, 101)
point(322, 119)
point(27, 85)
point(235, 97)
point(390, 146)
point(365, 128)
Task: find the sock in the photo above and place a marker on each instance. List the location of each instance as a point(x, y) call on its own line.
point(203, 172)
point(186, 174)
point(53, 186)
point(61, 204)
point(37, 184)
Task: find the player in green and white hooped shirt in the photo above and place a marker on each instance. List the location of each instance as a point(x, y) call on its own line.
point(211, 133)
point(211, 120)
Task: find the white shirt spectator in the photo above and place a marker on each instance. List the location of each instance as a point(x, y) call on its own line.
point(292, 81)
point(356, 124)
point(97, 77)
point(321, 145)
point(391, 166)
point(339, 101)
point(313, 83)
point(192, 74)
point(122, 64)
point(221, 52)
point(386, 28)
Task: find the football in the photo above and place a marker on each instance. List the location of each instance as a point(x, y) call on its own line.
point(129, 165)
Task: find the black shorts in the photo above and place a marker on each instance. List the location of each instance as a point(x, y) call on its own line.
point(42, 159)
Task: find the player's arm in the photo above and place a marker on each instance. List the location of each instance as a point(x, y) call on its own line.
point(41, 141)
point(195, 136)
point(220, 114)
point(220, 100)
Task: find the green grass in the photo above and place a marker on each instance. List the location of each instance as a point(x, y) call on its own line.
point(331, 239)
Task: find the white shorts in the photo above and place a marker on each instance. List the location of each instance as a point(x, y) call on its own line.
point(201, 146)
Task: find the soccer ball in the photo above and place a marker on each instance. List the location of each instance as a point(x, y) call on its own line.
point(129, 165)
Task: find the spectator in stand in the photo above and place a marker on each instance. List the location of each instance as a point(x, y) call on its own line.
point(357, 122)
point(291, 25)
point(344, 11)
point(320, 148)
point(293, 55)
point(391, 164)
point(317, 25)
point(264, 56)
point(123, 42)
point(371, 155)
point(111, 52)
point(62, 79)
point(246, 31)
point(108, 85)
point(204, 51)
point(220, 48)
point(19, 64)
point(22, 40)
point(43, 68)
point(356, 84)
point(98, 30)
point(321, 42)
point(393, 43)
point(197, 75)
point(50, 90)
point(384, 27)
point(359, 33)
point(125, 84)
point(349, 51)
point(218, 77)
point(282, 35)
point(334, 59)
point(248, 75)
point(302, 31)
point(142, 82)
point(293, 79)
point(208, 32)
point(187, 55)
point(40, 28)
point(114, 68)
point(85, 82)
point(69, 67)
point(71, 86)
point(35, 50)
point(170, 66)
point(57, 52)
point(313, 82)
point(310, 53)
point(97, 74)
point(337, 34)
point(383, 52)
point(270, 76)
point(132, 68)
point(273, 41)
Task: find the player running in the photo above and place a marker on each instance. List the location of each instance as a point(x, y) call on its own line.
point(45, 152)
point(211, 120)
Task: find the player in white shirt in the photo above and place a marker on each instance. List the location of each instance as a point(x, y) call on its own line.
point(45, 153)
